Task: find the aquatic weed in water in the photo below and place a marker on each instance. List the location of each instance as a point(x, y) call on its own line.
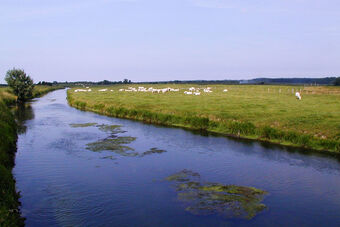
point(153, 150)
point(215, 198)
point(114, 129)
point(83, 125)
point(117, 145)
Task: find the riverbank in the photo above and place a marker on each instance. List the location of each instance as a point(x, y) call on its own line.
point(9, 200)
point(265, 113)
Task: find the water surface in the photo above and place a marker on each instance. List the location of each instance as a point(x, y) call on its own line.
point(77, 168)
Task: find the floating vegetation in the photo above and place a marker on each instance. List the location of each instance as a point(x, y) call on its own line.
point(109, 157)
point(114, 129)
point(114, 143)
point(83, 125)
point(117, 145)
point(214, 198)
point(153, 150)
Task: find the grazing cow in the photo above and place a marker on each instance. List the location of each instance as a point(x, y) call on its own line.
point(78, 90)
point(298, 95)
point(225, 90)
point(103, 89)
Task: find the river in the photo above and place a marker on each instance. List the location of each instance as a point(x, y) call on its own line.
point(76, 168)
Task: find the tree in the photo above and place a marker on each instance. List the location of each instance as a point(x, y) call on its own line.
point(20, 83)
point(337, 81)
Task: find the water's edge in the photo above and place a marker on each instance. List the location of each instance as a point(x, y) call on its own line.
point(10, 214)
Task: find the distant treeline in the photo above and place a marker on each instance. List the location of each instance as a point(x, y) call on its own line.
point(320, 81)
point(289, 81)
point(193, 82)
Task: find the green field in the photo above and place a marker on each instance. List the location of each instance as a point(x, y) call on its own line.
point(262, 112)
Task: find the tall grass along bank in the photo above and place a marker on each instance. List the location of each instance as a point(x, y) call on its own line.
point(267, 113)
point(9, 197)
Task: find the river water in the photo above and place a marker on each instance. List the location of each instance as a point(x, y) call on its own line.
point(70, 174)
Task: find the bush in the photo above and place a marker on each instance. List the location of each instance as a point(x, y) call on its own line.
point(21, 84)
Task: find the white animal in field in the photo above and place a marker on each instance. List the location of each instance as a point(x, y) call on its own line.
point(192, 89)
point(197, 93)
point(121, 89)
point(225, 90)
point(188, 92)
point(207, 90)
point(298, 95)
point(111, 90)
point(101, 90)
point(80, 90)
point(89, 89)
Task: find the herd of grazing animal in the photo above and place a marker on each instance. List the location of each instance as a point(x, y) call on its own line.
point(191, 90)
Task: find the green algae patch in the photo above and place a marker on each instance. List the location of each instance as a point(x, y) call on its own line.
point(117, 145)
point(84, 125)
point(230, 201)
point(109, 157)
point(153, 150)
point(113, 129)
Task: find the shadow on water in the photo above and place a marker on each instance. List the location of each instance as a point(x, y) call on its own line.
point(274, 152)
point(23, 112)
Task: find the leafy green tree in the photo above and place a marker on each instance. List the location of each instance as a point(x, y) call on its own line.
point(21, 84)
point(337, 81)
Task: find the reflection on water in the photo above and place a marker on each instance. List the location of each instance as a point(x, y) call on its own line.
point(63, 182)
point(210, 198)
point(22, 113)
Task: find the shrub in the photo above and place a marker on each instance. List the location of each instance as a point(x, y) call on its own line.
point(21, 84)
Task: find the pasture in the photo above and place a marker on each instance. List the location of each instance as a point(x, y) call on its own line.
point(262, 112)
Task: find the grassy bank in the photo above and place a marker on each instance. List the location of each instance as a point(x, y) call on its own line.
point(9, 203)
point(9, 198)
point(268, 113)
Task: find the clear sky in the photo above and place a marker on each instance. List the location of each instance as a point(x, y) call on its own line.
point(149, 40)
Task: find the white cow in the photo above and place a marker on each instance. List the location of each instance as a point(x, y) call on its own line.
point(298, 95)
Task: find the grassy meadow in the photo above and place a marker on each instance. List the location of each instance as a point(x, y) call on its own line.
point(9, 198)
point(263, 112)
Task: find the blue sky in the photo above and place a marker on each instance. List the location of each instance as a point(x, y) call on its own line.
point(148, 40)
